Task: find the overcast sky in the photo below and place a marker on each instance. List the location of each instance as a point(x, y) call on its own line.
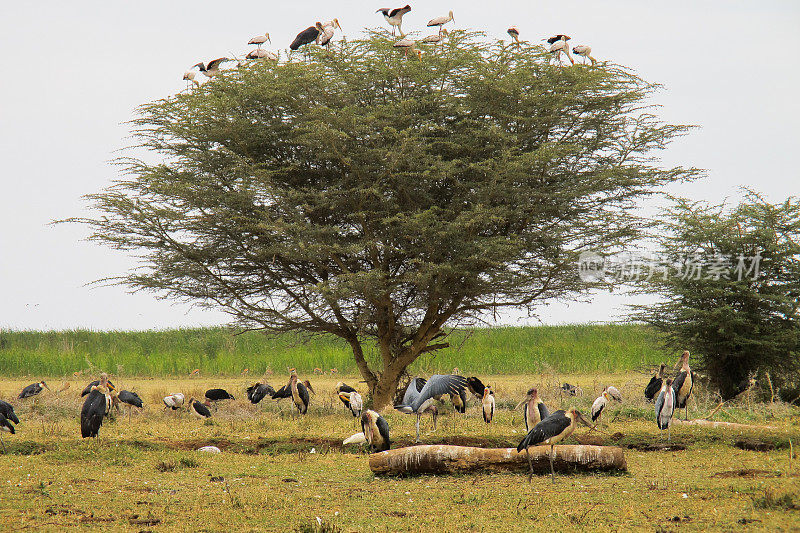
point(74, 72)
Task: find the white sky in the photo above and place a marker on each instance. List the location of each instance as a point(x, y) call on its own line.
point(74, 71)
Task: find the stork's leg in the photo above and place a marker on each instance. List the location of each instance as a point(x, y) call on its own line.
point(669, 432)
point(552, 470)
point(2, 442)
point(530, 464)
point(418, 417)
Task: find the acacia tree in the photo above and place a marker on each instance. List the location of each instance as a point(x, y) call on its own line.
point(382, 198)
point(731, 290)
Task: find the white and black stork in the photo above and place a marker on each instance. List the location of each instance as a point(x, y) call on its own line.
point(487, 404)
point(96, 406)
point(354, 402)
point(211, 69)
point(441, 21)
point(327, 32)
point(584, 51)
point(415, 399)
point(173, 401)
point(374, 430)
point(395, 17)
point(654, 385)
point(260, 39)
point(558, 45)
point(683, 384)
point(343, 387)
point(552, 430)
point(307, 36)
point(260, 53)
point(665, 407)
point(32, 390)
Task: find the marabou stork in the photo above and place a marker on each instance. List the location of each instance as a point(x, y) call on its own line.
point(199, 409)
point(260, 39)
point(683, 384)
point(374, 430)
point(260, 53)
point(5, 427)
point(435, 39)
point(307, 36)
point(299, 393)
point(309, 387)
point(395, 17)
point(487, 404)
point(585, 52)
point(513, 31)
point(571, 390)
point(552, 430)
point(354, 402)
point(95, 407)
point(210, 70)
point(415, 401)
point(475, 386)
point(459, 400)
point(665, 407)
point(7, 410)
point(95, 383)
point(189, 78)
point(173, 401)
point(131, 399)
point(558, 45)
point(342, 387)
point(408, 45)
point(218, 395)
point(258, 391)
point(440, 21)
point(32, 390)
point(535, 410)
point(654, 386)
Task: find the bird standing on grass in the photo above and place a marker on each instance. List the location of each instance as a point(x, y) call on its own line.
point(599, 405)
point(487, 404)
point(342, 387)
point(96, 406)
point(354, 402)
point(299, 393)
point(552, 430)
point(535, 410)
point(654, 386)
point(416, 400)
point(665, 407)
point(258, 391)
point(395, 17)
point(5, 427)
point(199, 409)
point(218, 395)
point(131, 399)
point(683, 384)
point(173, 401)
point(32, 390)
point(374, 430)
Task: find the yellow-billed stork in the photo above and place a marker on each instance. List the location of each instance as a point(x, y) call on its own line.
point(395, 17)
point(436, 38)
point(585, 52)
point(513, 31)
point(441, 21)
point(408, 45)
point(558, 45)
point(487, 404)
point(260, 39)
point(211, 69)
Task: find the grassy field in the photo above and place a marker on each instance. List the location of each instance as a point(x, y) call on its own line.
point(574, 348)
point(281, 472)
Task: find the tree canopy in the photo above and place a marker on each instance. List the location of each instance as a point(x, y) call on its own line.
point(381, 198)
point(731, 291)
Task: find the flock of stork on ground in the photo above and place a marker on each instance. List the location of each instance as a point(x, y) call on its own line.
point(322, 33)
point(542, 427)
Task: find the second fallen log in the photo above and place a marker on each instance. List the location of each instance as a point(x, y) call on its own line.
point(445, 459)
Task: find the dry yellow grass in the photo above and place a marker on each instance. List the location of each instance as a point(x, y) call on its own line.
point(145, 468)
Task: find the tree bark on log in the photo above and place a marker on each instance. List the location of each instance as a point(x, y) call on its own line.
point(712, 424)
point(445, 459)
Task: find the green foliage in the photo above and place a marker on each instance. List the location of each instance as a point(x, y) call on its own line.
point(380, 198)
point(512, 350)
point(737, 325)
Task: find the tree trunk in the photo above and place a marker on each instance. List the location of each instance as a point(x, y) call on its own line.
point(444, 459)
point(386, 386)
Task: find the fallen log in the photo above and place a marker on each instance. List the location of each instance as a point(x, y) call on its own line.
point(445, 459)
point(712, 424)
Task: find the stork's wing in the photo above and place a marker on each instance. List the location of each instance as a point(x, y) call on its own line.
point(549, 427)
point(437, 385)
point(88, 388)
point(383, 429)
point(283, 392)
point(302, 390)
point(8, 411)
point(413, 390)
point(678, 383)
point(652, 388)
point(215, 63)
point(659, 407)
point(475, 386)
point(543, 412)
point(131, 398)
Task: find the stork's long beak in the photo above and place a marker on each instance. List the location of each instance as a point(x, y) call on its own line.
point(520, 403)
point(344, 396)
point(45, 385)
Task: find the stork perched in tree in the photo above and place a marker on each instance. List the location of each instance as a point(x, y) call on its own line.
point(299, 393)
point(260, 39)
point(189, 78)
point(173, 401)
point(307, 36)
point(395, 17)
point(415, 401)
point(32, 390)
point(96, 406)
point(353, 401)
point(199, 409)
point(665, 407)
point(374, 430)
point(260, 53)
point(585, 52)
point(552, 430)
point(654, 386)
point(436, 38)
point(559, 45)
point(7, 410)
point(210, 70)
point(408, 45)
point(5, 427)
point(683, 384)
point(440, 21)
point(513, 31)
point(258, 391)
point(487, 404)
point(327, 31)
point(535, 410)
